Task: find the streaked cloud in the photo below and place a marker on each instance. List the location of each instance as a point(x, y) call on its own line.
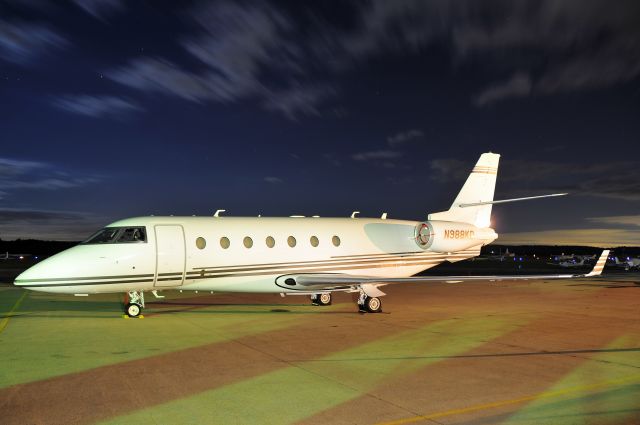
point(10, 168)
point(47, 225)
point(100, 9)
point(33, 175)
point(449, 169)
point(96, 106)
point(615, 180)
point(519, 85)
point(377, 155)
point(622, 220)
point(237, 44)
point(22, 42)
point(273, 180)
point(600, 237)
point(298, 100)
point(404, 137)
point(546, 46)
point(159, 75)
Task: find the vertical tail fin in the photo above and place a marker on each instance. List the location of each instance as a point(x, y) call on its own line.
point(479, 187)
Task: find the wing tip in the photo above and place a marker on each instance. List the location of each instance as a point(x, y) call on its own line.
point(599, 266)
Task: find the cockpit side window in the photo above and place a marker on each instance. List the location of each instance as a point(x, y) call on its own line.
point(118, 235)
point(132, 234)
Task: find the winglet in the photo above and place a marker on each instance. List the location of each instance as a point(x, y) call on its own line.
point(597, 269)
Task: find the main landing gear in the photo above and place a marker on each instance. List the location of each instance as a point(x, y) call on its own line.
point(321, 299)
point(134, 303)
point(368, 304)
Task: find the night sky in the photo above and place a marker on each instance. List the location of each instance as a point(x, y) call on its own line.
point(113, 108)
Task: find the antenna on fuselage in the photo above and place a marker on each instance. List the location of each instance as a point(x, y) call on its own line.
point(354, 214)
point(217, 213)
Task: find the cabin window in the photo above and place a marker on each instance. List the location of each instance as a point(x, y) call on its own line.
point(291, 241)
point(270, 241)
point(314, 241)
point(201, 243)
point(248, 242)
point(224, 242)
point(335, 240)
point(118, 235)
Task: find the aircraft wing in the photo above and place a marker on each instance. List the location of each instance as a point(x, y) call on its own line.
point(314, 282)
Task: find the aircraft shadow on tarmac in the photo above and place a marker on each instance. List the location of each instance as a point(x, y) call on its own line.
point(629, 284)
point(109, 310)
point(486, 355)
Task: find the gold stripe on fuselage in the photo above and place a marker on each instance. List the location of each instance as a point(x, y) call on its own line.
point(266, 269)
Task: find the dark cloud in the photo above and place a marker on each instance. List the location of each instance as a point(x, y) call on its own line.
point(22, 42)
point(560, 47)
point(44, 224)
point(298, 99)
point(100, 9)
point(32, 175)
point(237, 40)
point(446, 170)
point(377, 155)
point(404, 137)
point(615, 180)
point(159, 75)
point(600, 237)
point(546, 46)
point(96, 106)
point(626, 221)
point(10, 168)
point(238, 44)
point(273, 180)
point(10, 215)
point(519, 85)
point(568, 45)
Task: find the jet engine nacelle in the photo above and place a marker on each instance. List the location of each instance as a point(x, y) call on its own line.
point(451, 236)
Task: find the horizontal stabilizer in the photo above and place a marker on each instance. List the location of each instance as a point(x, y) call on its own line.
point(504, 201)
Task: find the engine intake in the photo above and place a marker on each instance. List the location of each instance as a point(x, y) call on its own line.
point(451, 236)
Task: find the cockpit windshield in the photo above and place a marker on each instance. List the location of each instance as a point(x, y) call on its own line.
point(118, 235)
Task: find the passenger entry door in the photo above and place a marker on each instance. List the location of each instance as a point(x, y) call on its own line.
point(170, 255)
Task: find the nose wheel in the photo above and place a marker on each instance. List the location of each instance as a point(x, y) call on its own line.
point(134, 303)
point(133, 310)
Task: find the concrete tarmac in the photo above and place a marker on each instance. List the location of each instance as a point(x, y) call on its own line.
point(532, 352)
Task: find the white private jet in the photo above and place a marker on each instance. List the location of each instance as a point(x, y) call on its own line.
point(293, 255)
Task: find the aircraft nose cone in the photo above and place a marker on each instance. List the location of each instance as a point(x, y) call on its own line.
point(26, 277)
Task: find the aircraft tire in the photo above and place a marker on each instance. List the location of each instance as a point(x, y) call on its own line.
point(373, 304)
point(133, 310)
point(323, 299)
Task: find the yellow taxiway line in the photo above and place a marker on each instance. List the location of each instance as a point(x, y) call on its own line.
point(4, 322)
point(501, 403)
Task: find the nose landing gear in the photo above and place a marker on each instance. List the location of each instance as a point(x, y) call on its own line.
point(134, 303)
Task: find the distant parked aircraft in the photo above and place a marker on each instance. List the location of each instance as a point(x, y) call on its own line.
point(627, 263)
point(497, 257)
point(8, 256)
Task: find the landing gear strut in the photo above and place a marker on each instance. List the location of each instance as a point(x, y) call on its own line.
point(369, 304)
point(134, 303)
point(321, 299)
